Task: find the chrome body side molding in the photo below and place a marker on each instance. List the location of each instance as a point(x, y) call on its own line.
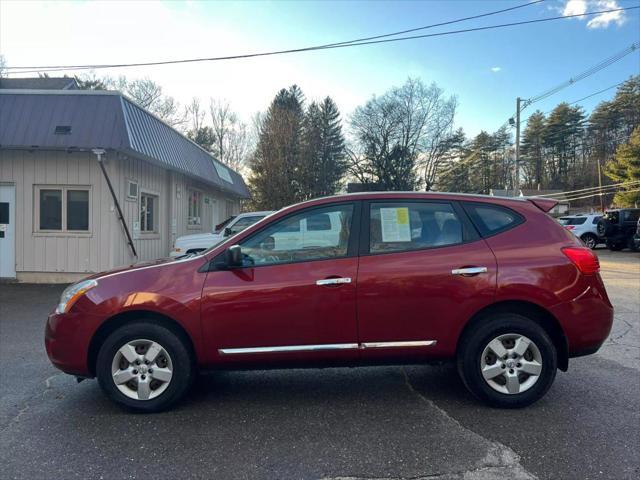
point(325, 347)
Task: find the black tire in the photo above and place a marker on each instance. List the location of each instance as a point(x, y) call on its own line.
point(471, 350)
point(181, 359)
point(614, 246)
point(604, 227)
point(590, 240)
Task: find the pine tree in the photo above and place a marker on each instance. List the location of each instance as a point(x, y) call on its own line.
point(275, 178)
point(333, 163)
point(532, 150)
point(625, 167)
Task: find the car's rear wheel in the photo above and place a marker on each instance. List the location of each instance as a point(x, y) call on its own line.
point(590, 240)
point(614, 246)
point(144, 366)
point(507, 361)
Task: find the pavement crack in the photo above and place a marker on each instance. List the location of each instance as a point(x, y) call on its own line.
point(498, 456)
point(26, 404)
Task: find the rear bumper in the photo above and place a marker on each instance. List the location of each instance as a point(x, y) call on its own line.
point(586, 320)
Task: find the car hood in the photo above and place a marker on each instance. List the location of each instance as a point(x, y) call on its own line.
point(197, 237)
point(133, 267)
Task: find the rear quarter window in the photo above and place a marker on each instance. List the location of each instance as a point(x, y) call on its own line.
point(492, 219)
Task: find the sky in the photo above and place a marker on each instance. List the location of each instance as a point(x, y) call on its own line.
point(485, 70)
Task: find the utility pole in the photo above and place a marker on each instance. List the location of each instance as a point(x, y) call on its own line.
point(516, 182)
point(600, 187)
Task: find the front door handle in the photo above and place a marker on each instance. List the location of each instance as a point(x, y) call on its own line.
point(333, 281)
point(467, 271)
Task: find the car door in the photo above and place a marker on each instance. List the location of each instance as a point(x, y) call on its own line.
point(292, 299)
point(423, 272)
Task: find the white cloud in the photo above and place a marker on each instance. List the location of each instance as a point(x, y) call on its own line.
point(575, 7)
point(496, 69)
point(580, 7)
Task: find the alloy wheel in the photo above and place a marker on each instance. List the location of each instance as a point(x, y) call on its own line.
point(590, 241)
point(142, 369)
point(511, 363)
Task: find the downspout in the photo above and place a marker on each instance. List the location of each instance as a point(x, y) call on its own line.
point(99, 152)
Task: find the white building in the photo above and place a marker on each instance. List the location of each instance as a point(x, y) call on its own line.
point(60, 219)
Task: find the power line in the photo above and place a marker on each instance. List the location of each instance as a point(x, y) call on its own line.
point(599, 194)
point(35, 69)
point(580, 99)
point(587, 73)
point(402, 32)
point(584, 190)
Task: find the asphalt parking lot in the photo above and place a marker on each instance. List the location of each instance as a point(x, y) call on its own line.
point(369, 423)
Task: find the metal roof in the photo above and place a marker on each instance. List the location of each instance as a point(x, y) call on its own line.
point(41, 83)
point(105, 119)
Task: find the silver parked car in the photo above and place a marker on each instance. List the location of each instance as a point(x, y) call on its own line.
point(585, 227)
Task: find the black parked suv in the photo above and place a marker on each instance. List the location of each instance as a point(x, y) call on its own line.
point(618, 228)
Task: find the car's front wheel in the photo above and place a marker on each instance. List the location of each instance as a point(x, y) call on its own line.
point(144, 366)
point(507, 360)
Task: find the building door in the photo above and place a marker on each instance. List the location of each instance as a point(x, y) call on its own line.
point(7, 231)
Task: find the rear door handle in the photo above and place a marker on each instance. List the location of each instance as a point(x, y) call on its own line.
point(333, 281)
point(469, 271)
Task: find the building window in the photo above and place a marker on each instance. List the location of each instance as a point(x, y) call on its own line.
point(148, 213)
point(78, 210)
point(62, 209)
point(195, 207)
point(132, 190)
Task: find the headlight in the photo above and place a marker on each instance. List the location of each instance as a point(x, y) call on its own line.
point(73, 293)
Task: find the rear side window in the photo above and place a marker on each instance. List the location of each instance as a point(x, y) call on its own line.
point(492, 219)
point(596, 219)
point(631, 215)
point(404, 226)
point(576, 221)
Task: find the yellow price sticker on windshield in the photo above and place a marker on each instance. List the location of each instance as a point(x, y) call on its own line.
point(402, 215)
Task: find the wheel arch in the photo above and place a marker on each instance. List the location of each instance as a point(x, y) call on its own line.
point(538, 314)
point(124, 318)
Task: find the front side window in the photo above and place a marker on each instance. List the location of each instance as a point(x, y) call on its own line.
point(148, 213)
point(62, 209)
point(194, 208)
point(291, 240)
point(404, 226)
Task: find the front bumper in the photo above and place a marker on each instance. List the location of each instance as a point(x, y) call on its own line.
point(67, 340)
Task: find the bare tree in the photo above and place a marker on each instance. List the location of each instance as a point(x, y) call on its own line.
point(149, 95)
point(232, 140)
point(195, 115)
point(3, 66)
point(400, 133)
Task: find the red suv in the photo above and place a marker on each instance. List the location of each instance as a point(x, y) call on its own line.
point(492, 283)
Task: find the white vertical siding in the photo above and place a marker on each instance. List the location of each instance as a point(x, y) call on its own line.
point(105, 246)
point(59, 252)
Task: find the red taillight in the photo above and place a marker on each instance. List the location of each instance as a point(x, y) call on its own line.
point(569, 227)
point(583, 258)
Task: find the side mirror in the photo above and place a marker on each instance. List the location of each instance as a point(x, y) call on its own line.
point(228, 232)
point(234, 256)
